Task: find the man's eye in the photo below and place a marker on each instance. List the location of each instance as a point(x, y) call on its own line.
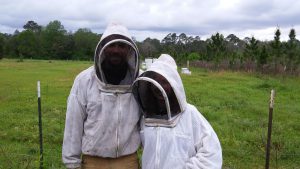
point(122, 45)
point(119, 44)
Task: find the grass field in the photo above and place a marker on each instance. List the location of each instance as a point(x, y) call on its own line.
point(235, 103)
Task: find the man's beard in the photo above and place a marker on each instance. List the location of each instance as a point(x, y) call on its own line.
point(114, 73)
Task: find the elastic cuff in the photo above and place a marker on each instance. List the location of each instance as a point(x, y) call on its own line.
point(74, 165)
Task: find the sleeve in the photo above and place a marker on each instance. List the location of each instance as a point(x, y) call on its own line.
point(142, 134)
point(71, 151)
point(207, 145)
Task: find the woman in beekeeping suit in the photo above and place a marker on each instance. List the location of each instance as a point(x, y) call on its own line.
point(174, 133)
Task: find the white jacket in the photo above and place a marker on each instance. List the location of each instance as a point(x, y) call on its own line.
point(190, 142)
point(102, 119)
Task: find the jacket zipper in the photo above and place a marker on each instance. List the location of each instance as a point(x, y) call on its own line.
point(119, 111)
point(157, 148)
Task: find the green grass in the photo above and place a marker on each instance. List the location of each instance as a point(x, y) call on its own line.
point(235, 103)
point(19, 137)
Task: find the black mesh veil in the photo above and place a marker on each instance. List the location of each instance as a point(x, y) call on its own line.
point(151, 99)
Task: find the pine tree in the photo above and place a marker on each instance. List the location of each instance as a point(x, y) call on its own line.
point(263, 56)
point(291, 50)
point(277, 48)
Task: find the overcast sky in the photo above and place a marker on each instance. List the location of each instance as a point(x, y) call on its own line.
point(157, 18)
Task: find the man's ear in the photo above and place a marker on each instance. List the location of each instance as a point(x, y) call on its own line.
point(130, 51)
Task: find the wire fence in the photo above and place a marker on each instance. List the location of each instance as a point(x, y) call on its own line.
point(52, 159)
point(24, 153)
point(19, 136)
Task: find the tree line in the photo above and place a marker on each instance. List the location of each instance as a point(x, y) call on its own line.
point(50, 42)
point(53, 41)
point(219, 52)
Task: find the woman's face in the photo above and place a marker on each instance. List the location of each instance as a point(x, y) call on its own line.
point(152, 100)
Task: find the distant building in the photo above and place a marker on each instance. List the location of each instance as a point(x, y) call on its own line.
point(186, 71)
point(148, 62)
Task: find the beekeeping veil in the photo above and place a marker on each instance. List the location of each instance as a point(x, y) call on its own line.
point(160, 93)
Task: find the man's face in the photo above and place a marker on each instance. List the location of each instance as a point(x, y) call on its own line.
point(116, 53)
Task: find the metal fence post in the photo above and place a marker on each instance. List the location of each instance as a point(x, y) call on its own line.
point(271, 106)
point(40, 124)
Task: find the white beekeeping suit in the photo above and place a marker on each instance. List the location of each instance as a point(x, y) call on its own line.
point(174, 133)
point(102, 118)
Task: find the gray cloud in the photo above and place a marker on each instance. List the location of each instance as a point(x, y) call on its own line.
point(156, 18)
